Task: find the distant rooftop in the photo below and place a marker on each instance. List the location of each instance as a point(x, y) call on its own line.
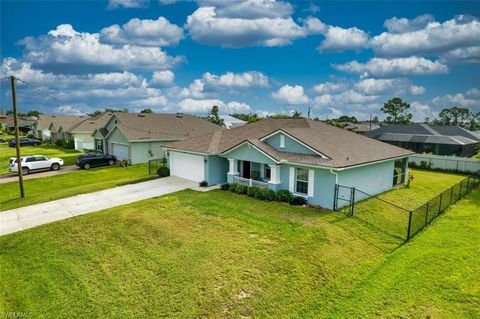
point(425, 133)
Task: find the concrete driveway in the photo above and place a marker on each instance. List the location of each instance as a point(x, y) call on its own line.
point(14, 177)
point(18, 219)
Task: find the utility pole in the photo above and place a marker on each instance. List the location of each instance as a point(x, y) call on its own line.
point(17, 141)
point(309, 109)
point(370, 122)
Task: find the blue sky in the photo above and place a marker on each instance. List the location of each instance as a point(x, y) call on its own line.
point(245, 56)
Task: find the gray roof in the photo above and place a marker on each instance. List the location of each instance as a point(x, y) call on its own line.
point(89, 125)
point(424, 133)
point(58, 121)
point(160, 126)
point(343, 148)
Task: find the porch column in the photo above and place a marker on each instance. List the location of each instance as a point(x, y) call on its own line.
point(232, 169)
point(274, 177)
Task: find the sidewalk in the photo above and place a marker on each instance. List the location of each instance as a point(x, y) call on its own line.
point(18, 219)
point(14, 177)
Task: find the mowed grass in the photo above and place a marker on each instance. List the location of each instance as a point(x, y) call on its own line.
point(189, 254)
point(69, 156)
point(221, 255)
point(45, 189)
point(437, 275)
point(391, 220)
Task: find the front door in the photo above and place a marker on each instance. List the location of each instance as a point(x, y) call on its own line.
point(246, 169)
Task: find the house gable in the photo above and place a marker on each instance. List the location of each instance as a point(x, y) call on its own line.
point(111, 123)
point(284, 142)
point(116, 136)
point(247, 152)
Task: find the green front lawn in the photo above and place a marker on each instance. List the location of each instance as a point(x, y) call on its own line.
point(437, 275)
point(69, 156)
point(45, 189)
point(391, 221)
point(221, 255)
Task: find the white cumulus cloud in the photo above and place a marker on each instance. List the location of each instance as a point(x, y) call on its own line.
point(72, 51)
point(291, 95)
point(340, 39)
point(113, 4)
point(397, 67)
point(240, 80)
point(205, 105)
point(163, 78)
point(434, 39)
point(147, 32)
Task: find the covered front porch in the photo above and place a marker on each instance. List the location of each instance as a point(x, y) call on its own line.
point(262, 175)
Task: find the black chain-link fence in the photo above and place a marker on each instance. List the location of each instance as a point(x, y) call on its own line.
point(392, 219)
point(426, 213)
point(154, 165)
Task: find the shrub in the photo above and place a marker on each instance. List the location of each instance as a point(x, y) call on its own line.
point(203, 184)
point(163, 171)
point(284, 195)
point(239, 189)
point(266, 194)
point(253, 191)
point(225, 187)
point(298, 200)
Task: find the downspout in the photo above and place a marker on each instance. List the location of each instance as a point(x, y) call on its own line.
point(336, 175)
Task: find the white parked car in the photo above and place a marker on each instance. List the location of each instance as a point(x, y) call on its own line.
point(34, 163)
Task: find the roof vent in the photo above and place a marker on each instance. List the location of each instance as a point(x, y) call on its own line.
point(141, 115)
point(180, 115)
point(91, 122)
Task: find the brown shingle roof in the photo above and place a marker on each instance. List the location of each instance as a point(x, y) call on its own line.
point(342, 147)
point(63, 121)
point(167, 127)
point(90, 124)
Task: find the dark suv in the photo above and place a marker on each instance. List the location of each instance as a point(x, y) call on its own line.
point(95, 159)
point(24, 141)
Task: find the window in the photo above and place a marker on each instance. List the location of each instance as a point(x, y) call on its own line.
point(301, 181)
point(99, 144)
point(282, 141)
point(30, 159)
point(40, 158)
point(268, 172)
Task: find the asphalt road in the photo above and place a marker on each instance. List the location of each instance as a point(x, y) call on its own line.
point(14, 177)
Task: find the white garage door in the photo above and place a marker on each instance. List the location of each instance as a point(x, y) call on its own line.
point(120, 151)
point(187, 166)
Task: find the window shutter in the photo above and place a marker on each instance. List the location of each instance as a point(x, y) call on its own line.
point(311, 179)
point(291, 181)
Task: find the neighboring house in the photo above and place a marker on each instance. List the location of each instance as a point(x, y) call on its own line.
point(82, 132)
point(360, 128)
point(304, 156)
point(231, 121)
point(140, 137)
point(26, 125)
point(53, 127)
point(425, 138)
point(5, 120)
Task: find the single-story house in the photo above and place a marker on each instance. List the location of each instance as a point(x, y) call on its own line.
point(140, 137)
point(82, 132)
point(425, 138)
point(25, 124)
point(304, 156)
point(53, 127)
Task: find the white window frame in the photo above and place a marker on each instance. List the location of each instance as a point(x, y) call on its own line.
point(296, 180)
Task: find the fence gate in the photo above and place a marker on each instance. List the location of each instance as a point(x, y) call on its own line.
point(344, 197)
point(154, 165)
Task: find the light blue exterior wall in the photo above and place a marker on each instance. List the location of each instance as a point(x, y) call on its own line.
point(372, 179)
point(291, 145)
point(249, 153)
point(216, 170)
point(323, 185)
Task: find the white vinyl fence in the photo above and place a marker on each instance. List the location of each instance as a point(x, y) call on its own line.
point(460, 164)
